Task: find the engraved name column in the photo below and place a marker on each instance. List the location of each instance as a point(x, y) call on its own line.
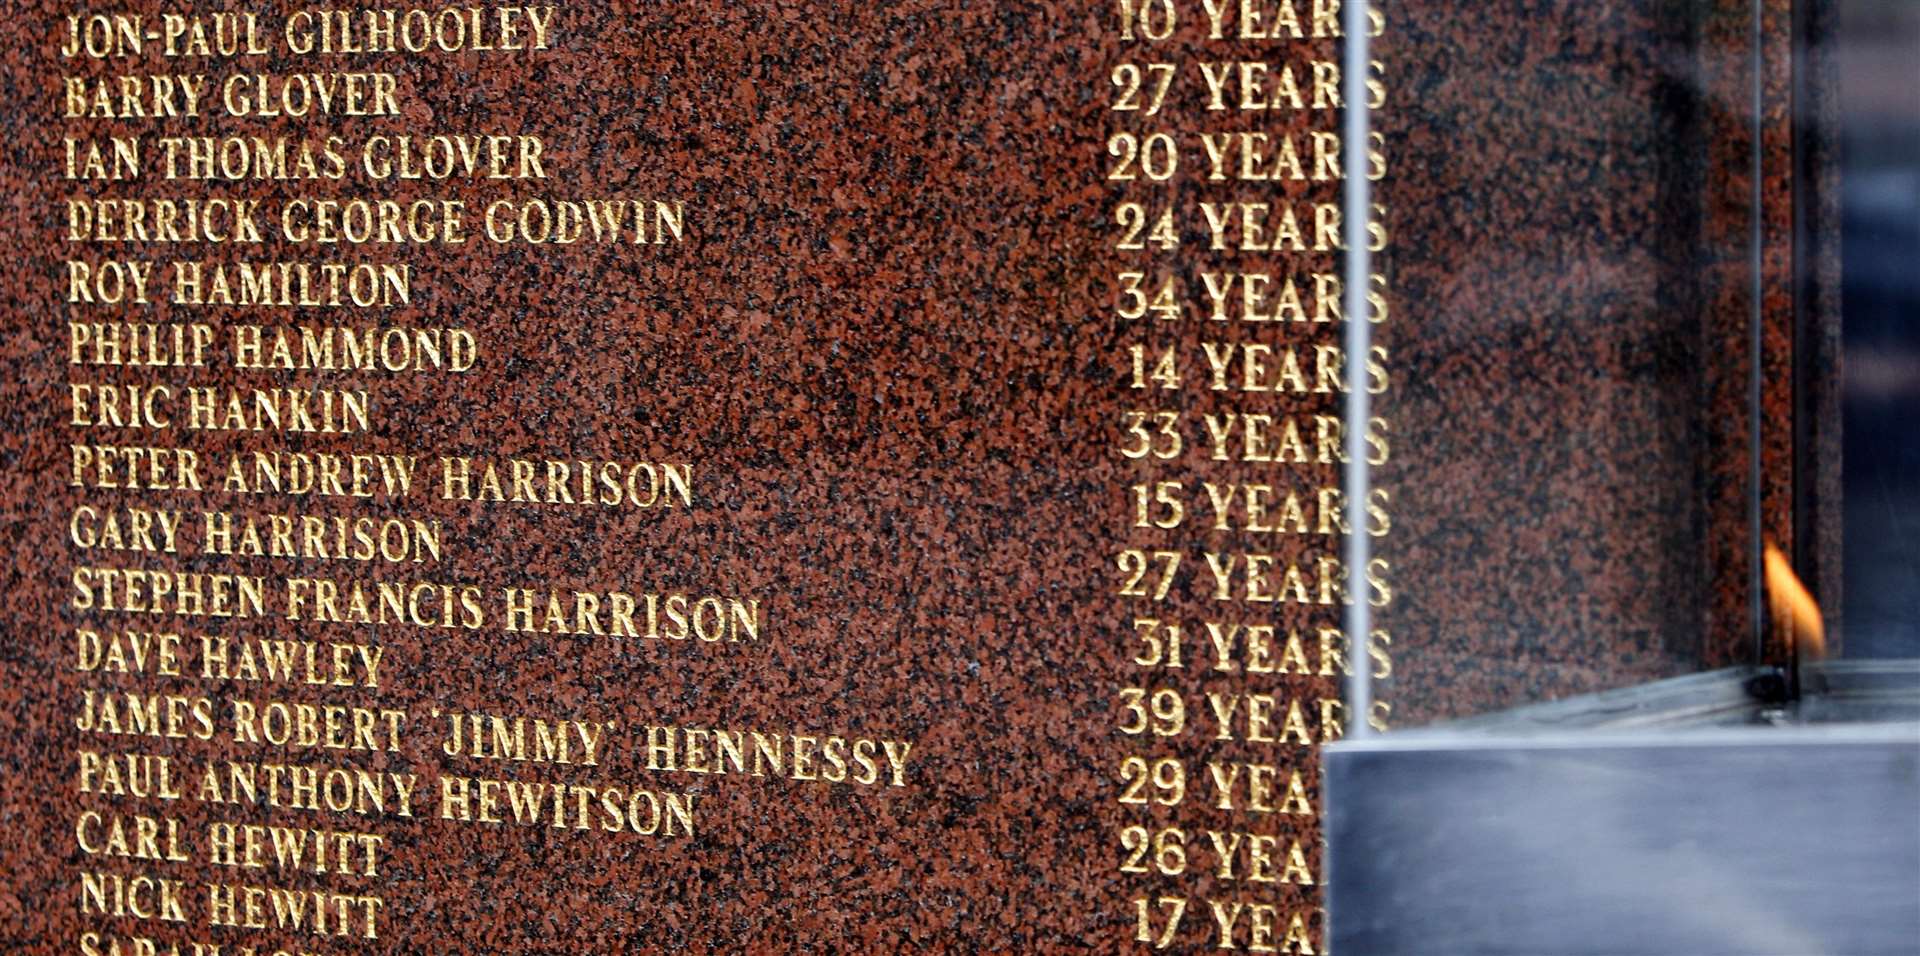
point(259, 207)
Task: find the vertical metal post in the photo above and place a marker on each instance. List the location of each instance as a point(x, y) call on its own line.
point(1756, 529)
point(1359, 271)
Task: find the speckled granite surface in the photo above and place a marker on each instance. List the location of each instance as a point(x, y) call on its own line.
point(1577, 498)
point(888, 347)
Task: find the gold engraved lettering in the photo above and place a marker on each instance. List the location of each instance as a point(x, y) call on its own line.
point(499, 737)
point(133, 837)
point(294, 849)
point(335, 790)
point(611, 484)
point(609, 809)
point(830, 758)
point(318, 912)
point(711, 619)
point(137, 897)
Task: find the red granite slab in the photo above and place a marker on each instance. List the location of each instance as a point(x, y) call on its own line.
point(889, 348)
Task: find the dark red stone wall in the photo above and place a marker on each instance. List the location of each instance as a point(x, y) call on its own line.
point(889, 348)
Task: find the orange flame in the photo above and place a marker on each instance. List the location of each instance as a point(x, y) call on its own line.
point(1795, 615)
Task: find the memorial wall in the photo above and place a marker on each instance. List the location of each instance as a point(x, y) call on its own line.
point(669, 476)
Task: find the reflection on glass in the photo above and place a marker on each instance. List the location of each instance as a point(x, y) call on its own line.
point(1878, 48)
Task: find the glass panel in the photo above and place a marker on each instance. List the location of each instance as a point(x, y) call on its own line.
point(1877, 46)
point(1573, 393)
